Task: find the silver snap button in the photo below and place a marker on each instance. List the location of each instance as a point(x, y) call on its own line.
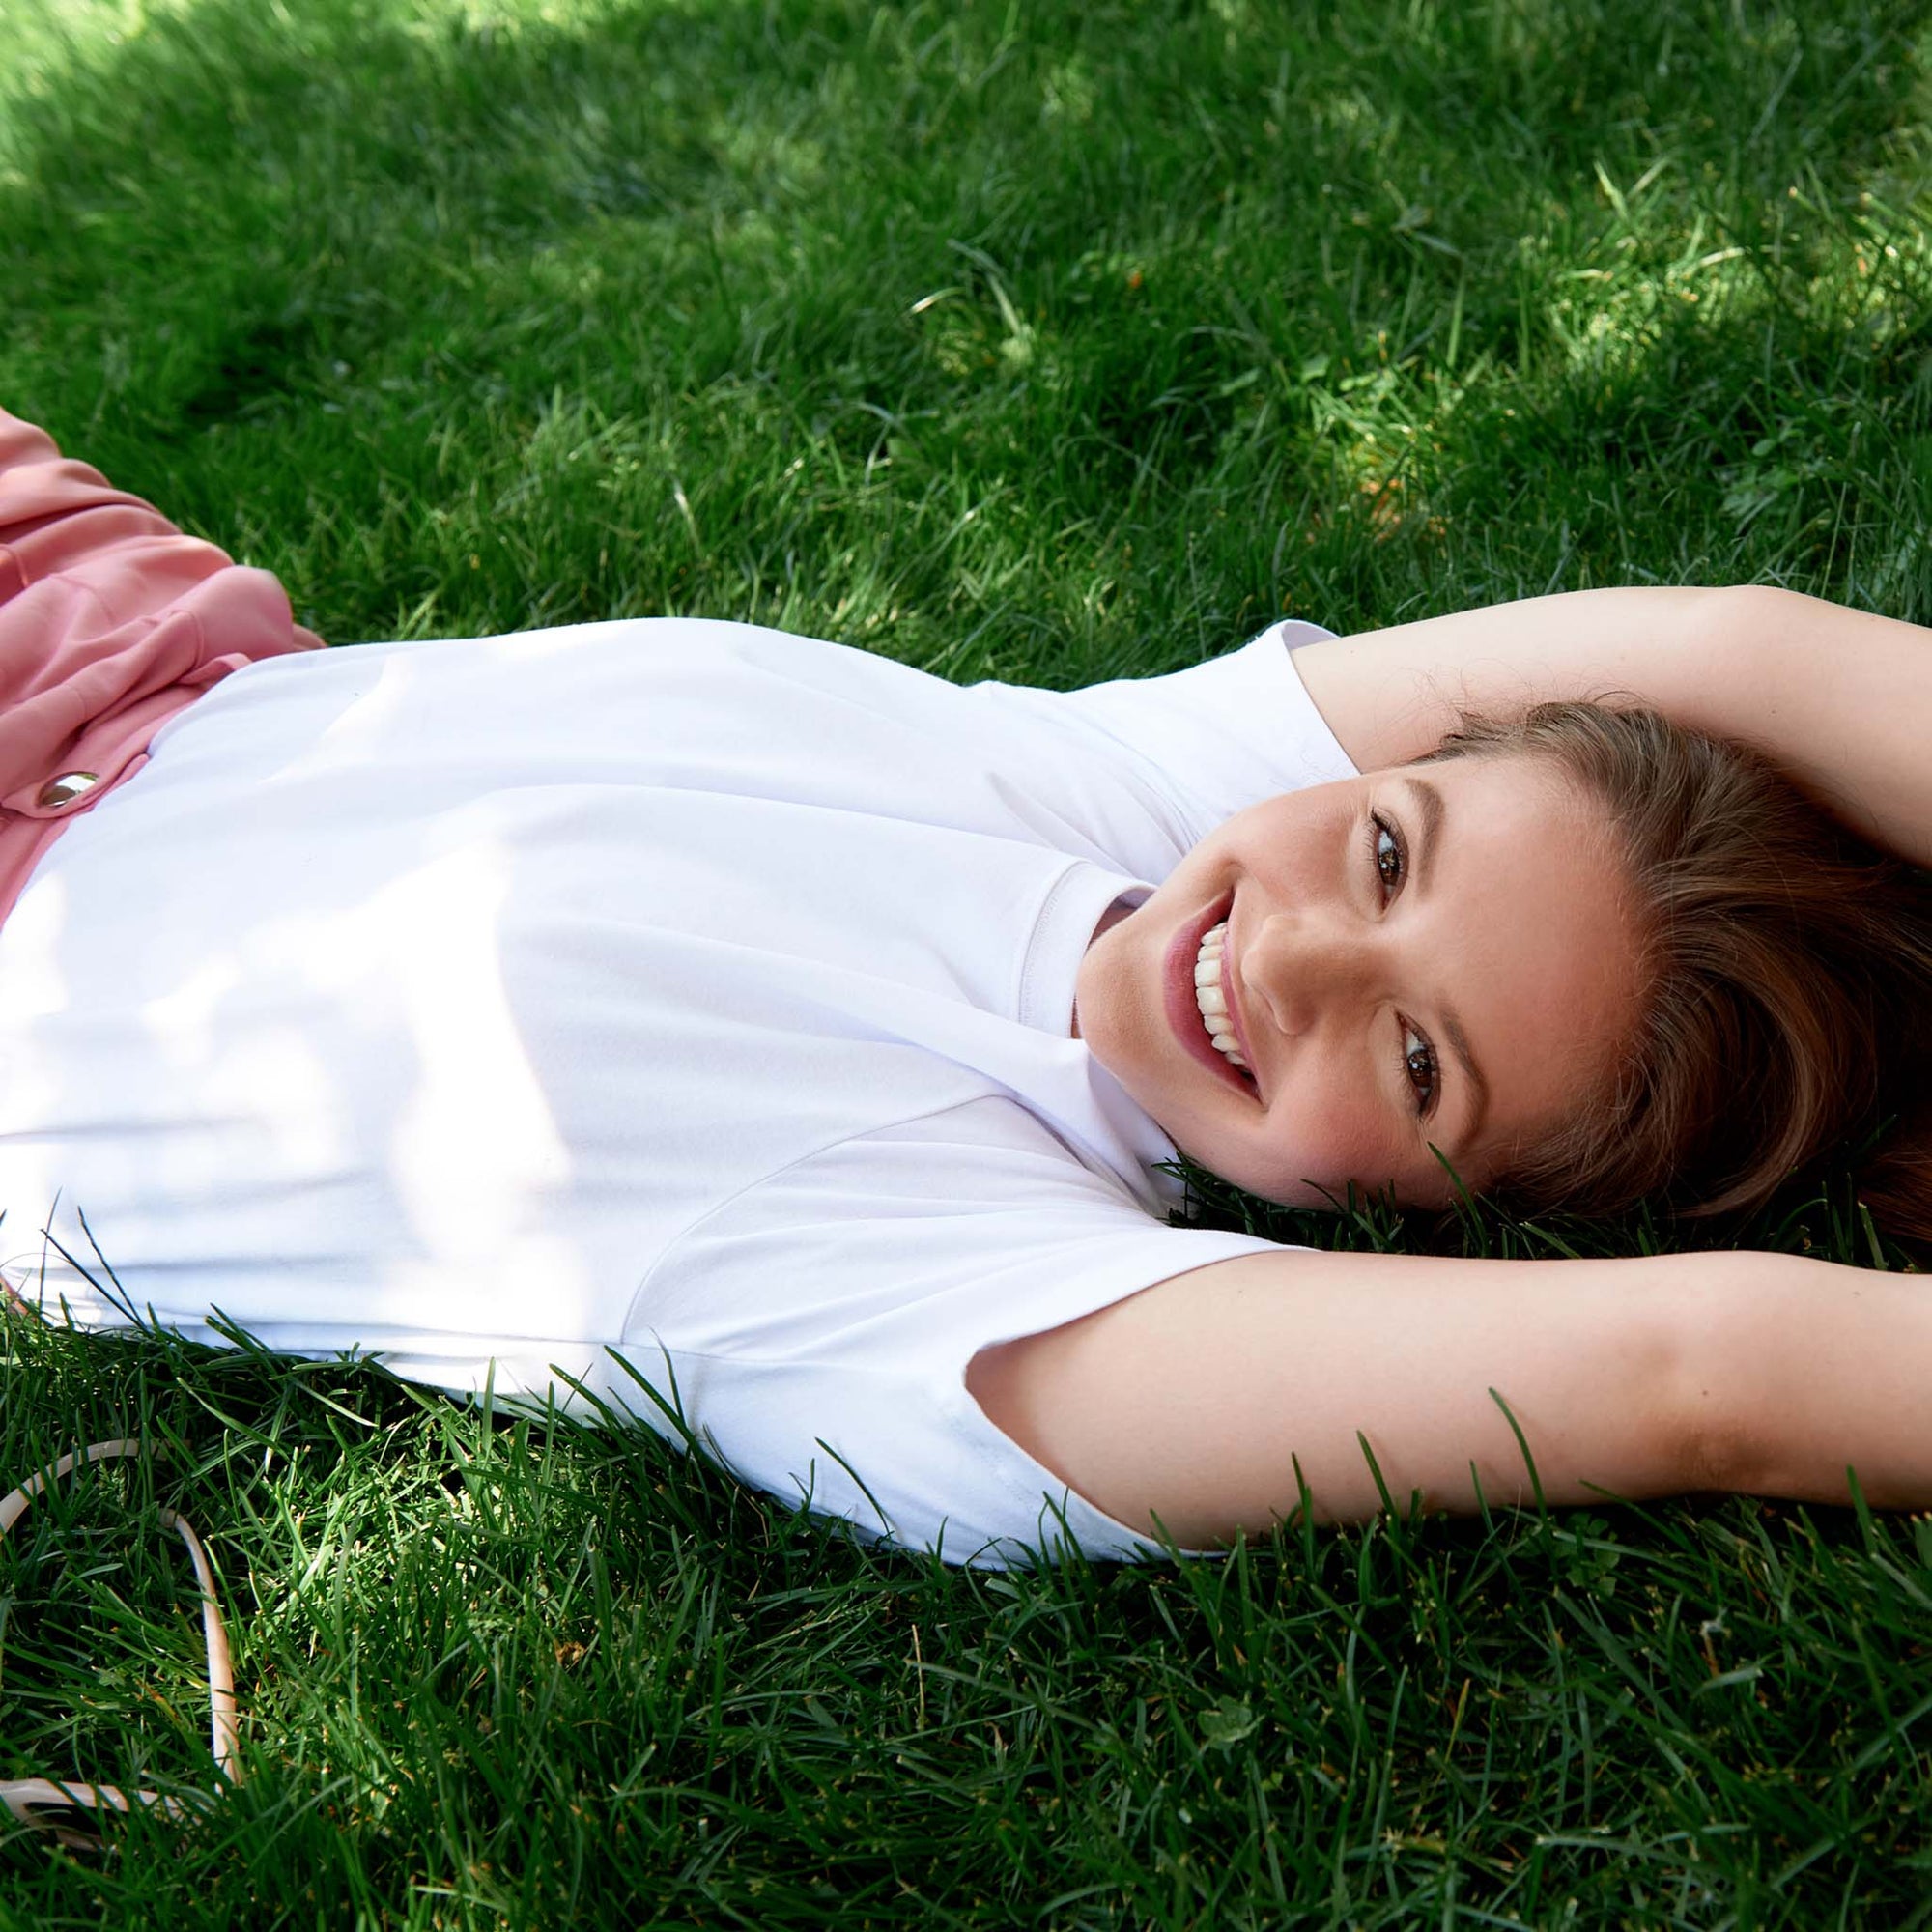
point(67, 787)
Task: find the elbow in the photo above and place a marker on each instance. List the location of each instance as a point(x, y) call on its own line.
point(1739, 622)
point(1719, 1454)
point(1713, 1437)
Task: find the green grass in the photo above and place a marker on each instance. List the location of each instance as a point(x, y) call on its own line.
point(1039, 341)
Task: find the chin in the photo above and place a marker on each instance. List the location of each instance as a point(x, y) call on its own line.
point(1234, 1172)
point(1316, 1192)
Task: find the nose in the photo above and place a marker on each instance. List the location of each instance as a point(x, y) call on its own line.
point(1304, 967)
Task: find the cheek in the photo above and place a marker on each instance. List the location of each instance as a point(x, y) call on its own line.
point(1306, 860)
point(1328, 1131)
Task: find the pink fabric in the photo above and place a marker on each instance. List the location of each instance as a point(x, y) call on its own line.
point(112, 621)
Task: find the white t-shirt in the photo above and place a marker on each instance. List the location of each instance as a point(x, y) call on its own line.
point(664, 999)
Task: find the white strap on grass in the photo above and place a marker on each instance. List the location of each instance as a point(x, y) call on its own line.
point(68, 1811)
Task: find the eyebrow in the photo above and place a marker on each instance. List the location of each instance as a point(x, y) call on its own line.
point(1430, 810)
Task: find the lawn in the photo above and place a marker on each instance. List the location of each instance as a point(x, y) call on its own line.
point(1048, 342)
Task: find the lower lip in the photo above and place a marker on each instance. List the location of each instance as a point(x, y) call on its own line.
point(1184, 1011)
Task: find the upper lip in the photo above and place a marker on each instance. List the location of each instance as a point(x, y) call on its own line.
point(1229, 978)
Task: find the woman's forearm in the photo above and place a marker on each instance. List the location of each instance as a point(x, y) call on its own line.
point(1814, 1369)
point(1840, 699)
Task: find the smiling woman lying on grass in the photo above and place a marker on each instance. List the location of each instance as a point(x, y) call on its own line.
point(683, 1003)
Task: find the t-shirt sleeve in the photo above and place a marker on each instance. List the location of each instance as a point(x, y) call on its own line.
point(819, 1326)
point(1216, 737)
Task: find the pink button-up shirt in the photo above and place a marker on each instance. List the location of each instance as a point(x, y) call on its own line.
point(112, 621)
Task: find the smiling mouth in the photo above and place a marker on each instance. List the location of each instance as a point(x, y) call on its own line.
point(1211, 996)
point(1203, 934)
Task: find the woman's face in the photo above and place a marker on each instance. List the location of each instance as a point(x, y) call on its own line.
point(1429, 955)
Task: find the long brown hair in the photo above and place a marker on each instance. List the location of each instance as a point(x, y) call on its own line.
point(1786, 977)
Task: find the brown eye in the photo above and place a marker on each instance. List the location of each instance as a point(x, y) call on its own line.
point(1419, 1069)
point(1391, 863)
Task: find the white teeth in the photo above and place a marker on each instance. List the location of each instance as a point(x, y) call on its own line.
point(1211, 999)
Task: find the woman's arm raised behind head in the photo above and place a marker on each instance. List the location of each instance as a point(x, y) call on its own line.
point(1198, 1399)
point(1838, 700)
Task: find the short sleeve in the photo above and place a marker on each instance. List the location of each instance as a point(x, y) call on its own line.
point(819, 1326)
point(1216, 737)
